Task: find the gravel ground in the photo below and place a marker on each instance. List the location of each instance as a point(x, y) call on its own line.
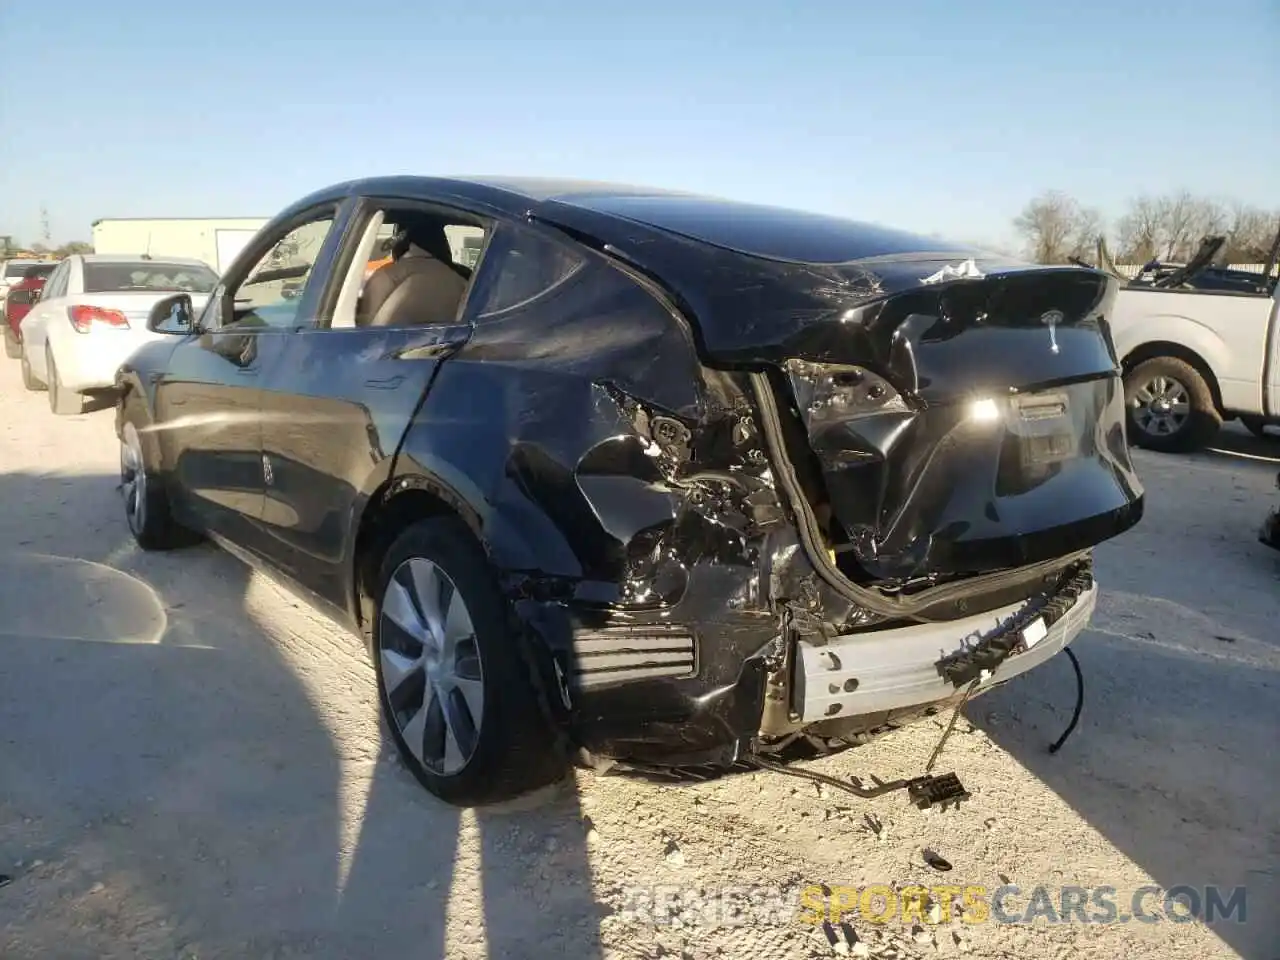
point(191, 766)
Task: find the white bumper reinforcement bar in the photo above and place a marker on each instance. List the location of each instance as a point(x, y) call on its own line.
point(894, 669)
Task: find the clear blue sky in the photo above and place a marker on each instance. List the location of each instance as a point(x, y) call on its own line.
point(935, 116)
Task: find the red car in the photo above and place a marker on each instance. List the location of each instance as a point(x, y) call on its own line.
point(18, 301)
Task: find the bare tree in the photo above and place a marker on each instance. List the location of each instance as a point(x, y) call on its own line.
point(1088, 227)
point(1169, 227)
point(74, 247)
point(1177, 224)
point(1251, 234)
point(1186, 221)
point(1210, 218)
point(1140, 231)
point(1055, 227)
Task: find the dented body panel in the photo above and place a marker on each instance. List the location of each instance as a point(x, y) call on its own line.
point(624, 499)
point(962, 419)
point(942, 438)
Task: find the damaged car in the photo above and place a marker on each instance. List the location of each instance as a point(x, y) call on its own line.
point(653, 479)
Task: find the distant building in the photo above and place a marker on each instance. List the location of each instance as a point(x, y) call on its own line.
point(216, 241)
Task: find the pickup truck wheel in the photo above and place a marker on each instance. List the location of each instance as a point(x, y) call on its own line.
point(146, 503)
point(455, 687)
point(1255, 425)
point(12, 346)
point(28, 375)
point(62, 401)
point(1170, 407)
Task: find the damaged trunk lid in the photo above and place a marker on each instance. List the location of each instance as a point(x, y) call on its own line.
point(948, 412)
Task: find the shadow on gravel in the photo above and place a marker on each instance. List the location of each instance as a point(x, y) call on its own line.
point(1175, 760)
point(1174, 763)
point(171, 784)
point(1235, 442)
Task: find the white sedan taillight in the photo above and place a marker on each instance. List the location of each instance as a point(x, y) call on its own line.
point(84, 317)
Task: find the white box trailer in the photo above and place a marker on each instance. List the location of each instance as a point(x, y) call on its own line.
point(216, 240)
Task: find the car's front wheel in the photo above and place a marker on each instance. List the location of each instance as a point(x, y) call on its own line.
point(456, 688)
point(146, 503)
point(62, 401)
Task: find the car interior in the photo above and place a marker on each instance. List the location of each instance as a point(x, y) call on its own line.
point(410, 269)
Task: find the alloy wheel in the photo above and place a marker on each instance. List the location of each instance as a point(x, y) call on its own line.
point(431, 672)
point(133, 478)
point(1161, 406)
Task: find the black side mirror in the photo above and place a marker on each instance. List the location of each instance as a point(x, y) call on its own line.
point(173, 314)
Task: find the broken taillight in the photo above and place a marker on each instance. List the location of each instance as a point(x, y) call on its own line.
point(84, 317)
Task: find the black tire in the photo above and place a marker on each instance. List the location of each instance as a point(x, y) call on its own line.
point(12, 346)
point(1255, 425)
point(28, 376)
point(63, 402)
point(516, 749)
point(153, 527)
point(1202, 421)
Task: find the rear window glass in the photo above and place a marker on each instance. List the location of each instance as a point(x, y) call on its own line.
point(13, 271)
point(526, 267)
point(39, 270)
point(146, 277)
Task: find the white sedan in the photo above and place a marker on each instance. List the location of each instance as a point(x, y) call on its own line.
point(92, 315)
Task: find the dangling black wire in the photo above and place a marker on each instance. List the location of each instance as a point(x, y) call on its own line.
point(880, 788)
point(955, 715)
point(1075, 716)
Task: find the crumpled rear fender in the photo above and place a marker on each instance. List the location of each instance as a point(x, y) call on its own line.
point(622, 492)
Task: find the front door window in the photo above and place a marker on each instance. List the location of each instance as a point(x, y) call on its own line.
point(272, 293)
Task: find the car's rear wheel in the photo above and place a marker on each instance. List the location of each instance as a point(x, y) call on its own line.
point(28, 375)
point(12, 345)
point(146, 503)
point(1170, 406)
point(456, 688)
point(62, 401)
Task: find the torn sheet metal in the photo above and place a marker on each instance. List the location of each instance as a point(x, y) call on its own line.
point(968, 270)
point(995, 438)
point(955, 414)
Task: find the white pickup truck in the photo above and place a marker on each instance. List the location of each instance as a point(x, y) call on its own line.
point(1199, 345)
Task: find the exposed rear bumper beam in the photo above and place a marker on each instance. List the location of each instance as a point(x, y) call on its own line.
point(893, 669)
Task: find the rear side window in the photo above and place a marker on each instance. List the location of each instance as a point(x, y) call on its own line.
point(56, 285)
point(520, 266)
point(148, 277)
